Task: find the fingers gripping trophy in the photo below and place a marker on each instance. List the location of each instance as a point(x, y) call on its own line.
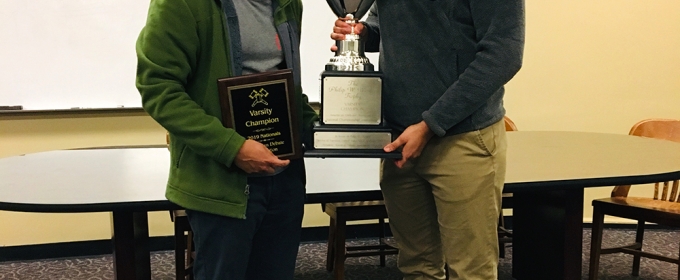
point(350, 53)
point(351, 120)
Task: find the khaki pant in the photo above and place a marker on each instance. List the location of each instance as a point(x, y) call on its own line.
point(444, 205)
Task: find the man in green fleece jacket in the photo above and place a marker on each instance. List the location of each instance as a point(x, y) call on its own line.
point(244, 204)
point(445, 64)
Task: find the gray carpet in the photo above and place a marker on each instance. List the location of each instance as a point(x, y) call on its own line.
point(311, 264)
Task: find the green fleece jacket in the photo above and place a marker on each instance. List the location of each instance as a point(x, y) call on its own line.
point(185, 47)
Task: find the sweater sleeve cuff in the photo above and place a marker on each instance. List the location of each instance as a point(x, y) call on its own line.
point(432, 124)
point(230, 149)
point(371, 43)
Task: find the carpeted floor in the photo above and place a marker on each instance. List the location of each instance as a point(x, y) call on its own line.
point(311, 264)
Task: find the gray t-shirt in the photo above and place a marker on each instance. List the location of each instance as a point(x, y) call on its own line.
point(261, 49)
point(260, 44)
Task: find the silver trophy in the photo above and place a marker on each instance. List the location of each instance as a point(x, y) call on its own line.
point(351, 120)
point(350, 53)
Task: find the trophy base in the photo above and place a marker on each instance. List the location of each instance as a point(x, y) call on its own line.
point(327, 153)
point(351, 141)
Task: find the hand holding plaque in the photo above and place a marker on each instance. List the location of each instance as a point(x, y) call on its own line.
point(351, 121)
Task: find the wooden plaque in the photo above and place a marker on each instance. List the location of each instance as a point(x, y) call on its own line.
point(262, 107)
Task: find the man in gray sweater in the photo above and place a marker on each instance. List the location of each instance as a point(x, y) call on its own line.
point(445, 63)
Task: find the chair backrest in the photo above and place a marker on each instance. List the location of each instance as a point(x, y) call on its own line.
point(666, 129)
point(509, 124)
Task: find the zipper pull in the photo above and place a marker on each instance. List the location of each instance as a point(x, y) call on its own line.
point(247, 191)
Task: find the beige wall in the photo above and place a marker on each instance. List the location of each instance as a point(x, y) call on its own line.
point(597, 66)
point(589, 66)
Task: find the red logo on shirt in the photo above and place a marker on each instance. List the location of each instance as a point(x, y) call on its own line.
point(278, 42)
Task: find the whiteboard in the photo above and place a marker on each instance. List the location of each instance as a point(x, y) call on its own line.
point(67, 54)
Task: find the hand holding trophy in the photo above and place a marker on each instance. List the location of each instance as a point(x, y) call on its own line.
point(351, 122)
point(349, 55)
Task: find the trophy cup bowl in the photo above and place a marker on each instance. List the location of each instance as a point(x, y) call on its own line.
point(350, 53)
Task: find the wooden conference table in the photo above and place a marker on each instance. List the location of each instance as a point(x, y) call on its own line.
point(547, 172)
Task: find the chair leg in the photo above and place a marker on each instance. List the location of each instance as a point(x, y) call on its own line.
point(340, 249)
point(501, 244)
point(639, 235)
point(595, 243)
point(179, 253)
point(330, 250)
point(381, 224)
point(189, 269)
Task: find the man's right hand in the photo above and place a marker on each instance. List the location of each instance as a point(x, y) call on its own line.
point(253, 157)
point(342, 27)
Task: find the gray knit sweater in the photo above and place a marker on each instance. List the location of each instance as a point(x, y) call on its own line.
point(446, 61)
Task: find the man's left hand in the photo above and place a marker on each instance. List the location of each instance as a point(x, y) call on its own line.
point(413, 140)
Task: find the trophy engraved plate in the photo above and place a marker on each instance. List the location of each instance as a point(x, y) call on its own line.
point(261, 107)
point(352, 100)
point(351, 140)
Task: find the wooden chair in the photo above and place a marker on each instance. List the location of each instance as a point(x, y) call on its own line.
point(504, 234)
point(184, 249)
point(663, 208)
point(338, 251)
point(509, 124)
point(184, 253)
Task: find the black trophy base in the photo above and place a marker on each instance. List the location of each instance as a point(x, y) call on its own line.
point(351, 153)
point(351, 141)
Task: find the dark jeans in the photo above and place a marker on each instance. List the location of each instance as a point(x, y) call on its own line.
point(262, 246)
